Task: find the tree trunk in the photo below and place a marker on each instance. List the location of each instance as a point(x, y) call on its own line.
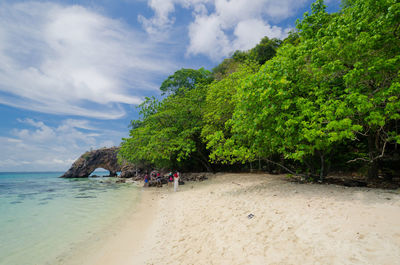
point(373, 170)
point(397, 133)
point(373, 163)
point(287, 169)
point(208, 166)
point(203, 156)
point(322, 173)
point(202, 159)
point(310, 168)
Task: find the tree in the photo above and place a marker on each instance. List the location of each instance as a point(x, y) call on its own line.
point(185, 79)
point(227, 66)
point(339, 83)
point(168, 134)
point(265, 50)
point(360, 50)
point(332, 85)
point(292, 38)
point(219, 106)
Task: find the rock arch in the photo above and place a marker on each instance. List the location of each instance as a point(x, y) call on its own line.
point(88, 162)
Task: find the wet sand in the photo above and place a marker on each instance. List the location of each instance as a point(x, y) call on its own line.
point(255, 219)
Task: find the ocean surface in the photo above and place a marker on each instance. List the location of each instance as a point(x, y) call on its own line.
point(43, 217)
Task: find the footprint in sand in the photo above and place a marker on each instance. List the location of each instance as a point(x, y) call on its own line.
point(360, 236)
point(335, 229)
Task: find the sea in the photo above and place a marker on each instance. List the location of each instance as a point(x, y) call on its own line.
point(43, 218)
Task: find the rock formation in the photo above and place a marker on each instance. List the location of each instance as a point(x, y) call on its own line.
point(107, 158)
point(101, 158)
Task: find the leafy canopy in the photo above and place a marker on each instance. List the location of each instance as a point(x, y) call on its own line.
point(185, 79)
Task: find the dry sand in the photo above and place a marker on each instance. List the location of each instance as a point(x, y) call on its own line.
point(207, 223)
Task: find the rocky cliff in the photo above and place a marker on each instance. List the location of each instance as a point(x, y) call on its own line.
point(101, 158)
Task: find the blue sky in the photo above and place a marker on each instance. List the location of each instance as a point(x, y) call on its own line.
point(73, 72)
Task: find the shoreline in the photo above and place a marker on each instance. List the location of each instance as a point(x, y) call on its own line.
point(121, 240)
point(210, 222)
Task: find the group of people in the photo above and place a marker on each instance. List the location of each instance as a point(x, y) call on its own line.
point(172, 178)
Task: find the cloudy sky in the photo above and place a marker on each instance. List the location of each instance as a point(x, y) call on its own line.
point(72, 72)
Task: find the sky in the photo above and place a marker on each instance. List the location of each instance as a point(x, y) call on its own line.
point(72, 73)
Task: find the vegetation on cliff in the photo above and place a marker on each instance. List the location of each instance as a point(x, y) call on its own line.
point(325, 98)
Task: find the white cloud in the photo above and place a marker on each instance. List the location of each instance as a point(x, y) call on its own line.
point(214, 20)
point(162, 21)
point(207, 37)
point(71, 60)
point(39, 146)
point(249, 32)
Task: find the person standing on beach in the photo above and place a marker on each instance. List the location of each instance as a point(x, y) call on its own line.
point(170, 179)
point(159, 184)
point(176, 181)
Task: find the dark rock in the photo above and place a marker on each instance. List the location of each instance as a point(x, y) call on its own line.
point(194, 176)
point(101, 158)
point(121, 181)
point(128, 174)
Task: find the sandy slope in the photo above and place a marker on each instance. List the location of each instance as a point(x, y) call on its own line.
point(207, 223)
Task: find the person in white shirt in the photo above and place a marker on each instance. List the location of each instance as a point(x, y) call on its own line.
point(176, 181)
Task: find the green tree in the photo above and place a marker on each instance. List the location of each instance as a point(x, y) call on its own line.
point(339, 83)
point(359, 50)
point(333, 84)
point(278, 111)
point(185, 79)
point(265, 50)
point(292, 38)
point(168, 132)
point(228, 66)
point(219, 107)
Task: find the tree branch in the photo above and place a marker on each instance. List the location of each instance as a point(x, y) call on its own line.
point(287, 169)
point(370, 160)
point(358, 159)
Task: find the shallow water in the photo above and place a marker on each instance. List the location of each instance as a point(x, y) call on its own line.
point(43, 216)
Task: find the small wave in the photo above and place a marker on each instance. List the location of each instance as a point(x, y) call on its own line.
point(85, 196)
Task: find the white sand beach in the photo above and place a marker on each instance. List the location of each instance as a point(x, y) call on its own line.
point(208, 223)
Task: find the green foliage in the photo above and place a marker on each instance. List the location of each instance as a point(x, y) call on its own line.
point(219, 107)
point(228, 66)
point(261, 53)
point(339, 82)
point(359, 52)
point(292, 38)
point(331, 88)
point(265, 50)
point(185, 79)
point(168, 132)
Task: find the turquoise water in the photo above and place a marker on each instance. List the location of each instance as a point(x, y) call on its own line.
point(43, 217)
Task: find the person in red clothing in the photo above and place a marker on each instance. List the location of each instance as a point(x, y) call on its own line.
point(159, 184)
point(176, 181)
